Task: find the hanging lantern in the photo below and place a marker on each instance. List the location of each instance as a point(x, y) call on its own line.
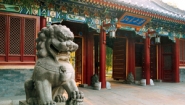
point(112, 34)
point(157, 40)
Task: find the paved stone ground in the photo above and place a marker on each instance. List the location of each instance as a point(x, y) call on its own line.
point(125, 94)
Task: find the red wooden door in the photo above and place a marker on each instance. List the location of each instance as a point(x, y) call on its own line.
point(167, 62)
point(119, 59)
point(78, 61)
point(153, 63)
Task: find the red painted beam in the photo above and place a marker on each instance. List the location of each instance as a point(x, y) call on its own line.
point(102, 57)
point(176, 61)
point(43, 22)
point(147, 59)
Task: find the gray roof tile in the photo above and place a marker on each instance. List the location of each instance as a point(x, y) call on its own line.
point(153, 6)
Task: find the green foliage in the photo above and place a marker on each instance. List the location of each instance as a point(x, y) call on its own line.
point(24, 3)
point(108, 58)
point(28, 3)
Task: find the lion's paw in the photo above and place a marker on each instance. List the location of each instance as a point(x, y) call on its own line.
point(32, 101)
point(48, 103)
point(77, 95)
point(76, 98)
point(60, 98)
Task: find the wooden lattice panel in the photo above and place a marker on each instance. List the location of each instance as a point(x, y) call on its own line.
point(2, 34)
point(15, 36)
point(29, 37)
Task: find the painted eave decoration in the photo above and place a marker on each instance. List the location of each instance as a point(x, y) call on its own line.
point(94, 12)
point(76, 18)
point(138, 7)
point(9, 8)
point(133, 20)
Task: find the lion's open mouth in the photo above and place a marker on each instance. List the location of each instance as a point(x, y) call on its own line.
point(57, 52)
point(54, 49)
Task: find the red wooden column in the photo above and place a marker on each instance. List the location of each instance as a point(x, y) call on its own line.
point(131, 56)
point(89, 58)
point(147, 59)
point(159, 62)
point(43, 22)
point(176, 60)
point(102, 57)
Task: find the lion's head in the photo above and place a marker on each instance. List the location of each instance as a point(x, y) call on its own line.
point(55, 40)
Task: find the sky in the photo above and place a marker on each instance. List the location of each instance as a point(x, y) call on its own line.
point(177, 3)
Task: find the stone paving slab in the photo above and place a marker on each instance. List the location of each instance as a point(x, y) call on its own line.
point(126, 94)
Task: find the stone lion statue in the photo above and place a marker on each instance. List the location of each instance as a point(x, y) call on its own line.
point(53, 74)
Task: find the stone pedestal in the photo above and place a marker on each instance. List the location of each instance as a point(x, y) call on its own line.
point(25, 103)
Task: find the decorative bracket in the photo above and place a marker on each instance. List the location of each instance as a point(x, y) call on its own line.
point(142, 32)
point(110, 25)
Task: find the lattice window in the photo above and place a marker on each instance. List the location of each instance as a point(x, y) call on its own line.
point(29, 37)
point(2, 34)
point(181, 50)
point(15, 36)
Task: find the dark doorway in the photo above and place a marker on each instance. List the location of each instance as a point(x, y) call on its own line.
point(78, 60)
point(139, 58)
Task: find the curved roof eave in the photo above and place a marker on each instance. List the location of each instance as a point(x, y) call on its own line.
point(148, 6)
point(151, 6)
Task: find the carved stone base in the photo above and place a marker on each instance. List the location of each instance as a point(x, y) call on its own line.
point(25, 103)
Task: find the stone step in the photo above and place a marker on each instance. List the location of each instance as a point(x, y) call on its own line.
point(25, 103)
point(14, 100)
